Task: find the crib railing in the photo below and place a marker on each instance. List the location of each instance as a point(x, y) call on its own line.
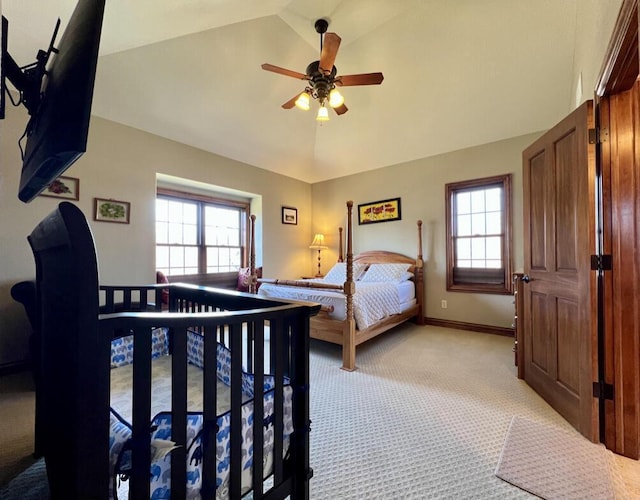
point(264, 336)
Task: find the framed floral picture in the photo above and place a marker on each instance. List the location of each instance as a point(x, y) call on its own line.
point(111, 210)
point(289, 215)
point(63, 187)
point(379, 211)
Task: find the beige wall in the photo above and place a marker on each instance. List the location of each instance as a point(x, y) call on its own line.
point(595, 20)
point(121, 163)
point(420, 185)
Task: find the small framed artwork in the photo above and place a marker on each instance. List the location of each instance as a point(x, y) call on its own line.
point(379, 211)
point(289, 215)
point(111, 210)
point(63, 187)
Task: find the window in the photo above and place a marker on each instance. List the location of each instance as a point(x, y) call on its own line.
point(479, 235)
point(199, 235)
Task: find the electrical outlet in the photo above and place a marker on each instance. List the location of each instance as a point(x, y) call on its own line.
point(443, 304)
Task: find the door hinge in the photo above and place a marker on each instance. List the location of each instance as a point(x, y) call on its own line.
point(601, 262)
point(602, 390)
point(598, 135)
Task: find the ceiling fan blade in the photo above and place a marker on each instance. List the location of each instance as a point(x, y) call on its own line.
point(291, 102)
point(283, 71)
point(341, 110)
point(361, 79)
point(330, 48)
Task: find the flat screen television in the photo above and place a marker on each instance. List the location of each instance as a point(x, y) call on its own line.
point(57, 131)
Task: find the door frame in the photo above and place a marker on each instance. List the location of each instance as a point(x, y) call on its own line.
point(618, 340)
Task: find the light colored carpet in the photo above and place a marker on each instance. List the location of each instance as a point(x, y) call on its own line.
point(553, 463)
point(424, 417)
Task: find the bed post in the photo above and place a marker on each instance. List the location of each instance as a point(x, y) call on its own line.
point(253, 280)
point(349, 329)
point(340, 254)
point(419, 278)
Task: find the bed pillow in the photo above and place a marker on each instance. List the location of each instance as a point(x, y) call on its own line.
point(161, 278)
point(390, 273)
point(338, 273)
point(244, 278)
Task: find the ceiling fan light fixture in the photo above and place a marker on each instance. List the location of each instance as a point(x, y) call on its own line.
point(335, 98)
point(323, 114)
point(302, 102)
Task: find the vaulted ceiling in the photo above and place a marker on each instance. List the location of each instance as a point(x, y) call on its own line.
point(457, 73)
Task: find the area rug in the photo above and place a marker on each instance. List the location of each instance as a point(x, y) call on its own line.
point(555, 464)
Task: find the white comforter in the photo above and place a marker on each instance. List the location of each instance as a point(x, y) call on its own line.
point(371, 302)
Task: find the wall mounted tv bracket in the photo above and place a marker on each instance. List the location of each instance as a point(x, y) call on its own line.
point(28, 79)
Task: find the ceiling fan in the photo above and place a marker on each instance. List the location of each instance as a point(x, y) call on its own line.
point(321, 77)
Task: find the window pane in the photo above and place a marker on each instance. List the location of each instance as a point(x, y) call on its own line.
point(235, 259)
point(191, 257)
point(233, 238)
point(494, 264)
point(477, 201)
point(223, 256)
point(478, 224)
point(477, 248)
point(493, 199)
point(175, 233)
point(494, 248)
point(212, 258)
point(464, 263)
point(478, 264)
point(463, 203)
point(190, 215)
point(494, 223)
point(162, 232)
point(176, 257)
point(190, 233)
point(175, 211)
point(162, 210)
point(464, 225)
point(463, 249)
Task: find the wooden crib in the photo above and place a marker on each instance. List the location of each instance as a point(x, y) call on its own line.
point(79, 320)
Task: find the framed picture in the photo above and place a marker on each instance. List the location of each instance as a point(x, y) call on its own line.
point(63, 187)
point(111, 210)
point(289, 215)
point(379, 211)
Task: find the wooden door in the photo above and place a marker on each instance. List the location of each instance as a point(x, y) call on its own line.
point(559, 335)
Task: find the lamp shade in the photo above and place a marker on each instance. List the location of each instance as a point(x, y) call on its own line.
point(302, 102)
point(323, 114)
point(335, 98)
point(318, 242)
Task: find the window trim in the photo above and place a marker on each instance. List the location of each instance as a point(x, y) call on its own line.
point(506, 288)
point(204, 277)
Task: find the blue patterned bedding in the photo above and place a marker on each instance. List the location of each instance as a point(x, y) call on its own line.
point(161, 423)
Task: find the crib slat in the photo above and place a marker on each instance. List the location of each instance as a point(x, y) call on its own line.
point(141, 411)
point(279, 345)
point(179, 414)
point(258, 407)
point(210, 397)
point(235, 334)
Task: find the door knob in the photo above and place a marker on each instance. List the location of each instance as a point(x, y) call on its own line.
point(526, 278)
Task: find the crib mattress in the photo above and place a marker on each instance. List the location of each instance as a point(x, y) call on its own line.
point(121, 381)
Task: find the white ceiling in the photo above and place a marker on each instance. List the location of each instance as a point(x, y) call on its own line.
point(457, 73)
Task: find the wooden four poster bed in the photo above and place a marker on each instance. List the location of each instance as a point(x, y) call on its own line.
point(239, 344)
point(346, 329)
